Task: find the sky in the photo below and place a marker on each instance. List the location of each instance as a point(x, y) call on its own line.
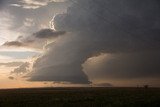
point(52, 43)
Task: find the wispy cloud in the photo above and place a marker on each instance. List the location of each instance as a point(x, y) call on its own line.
point(11, 64)
point(23, 68)
point(34, 4)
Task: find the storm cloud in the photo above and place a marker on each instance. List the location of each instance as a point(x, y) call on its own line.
point(123, 66)
point(128, 30)
point(2, 3)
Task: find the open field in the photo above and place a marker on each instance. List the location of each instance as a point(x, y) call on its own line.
point(80, 97)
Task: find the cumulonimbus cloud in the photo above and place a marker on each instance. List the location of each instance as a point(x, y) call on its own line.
point(103, 26)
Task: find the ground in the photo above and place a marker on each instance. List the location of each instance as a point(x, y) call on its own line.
point(80, 97)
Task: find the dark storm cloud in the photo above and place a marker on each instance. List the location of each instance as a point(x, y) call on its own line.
point(61, 73)
point(1, 3)
point(61, 64)
point(118, 27)
point(48, 33)
point(6, 3)
point(124, 66)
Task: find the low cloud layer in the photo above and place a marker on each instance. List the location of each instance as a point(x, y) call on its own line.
point(123, 66)
point(60, 73)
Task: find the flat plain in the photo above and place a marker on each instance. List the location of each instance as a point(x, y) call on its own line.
point(80, 97)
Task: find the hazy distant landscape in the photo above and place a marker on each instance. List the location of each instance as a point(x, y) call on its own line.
point(80, 97)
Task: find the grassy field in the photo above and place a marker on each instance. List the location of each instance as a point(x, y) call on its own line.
point(80, 97)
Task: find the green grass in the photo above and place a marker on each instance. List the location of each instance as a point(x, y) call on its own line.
point(80, 97)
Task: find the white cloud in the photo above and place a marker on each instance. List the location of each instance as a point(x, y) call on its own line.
point(34, 4)
point(15, 5)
